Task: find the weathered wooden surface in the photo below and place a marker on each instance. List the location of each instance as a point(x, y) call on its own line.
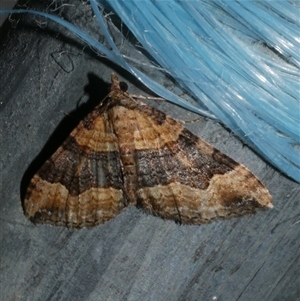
point(135, 256)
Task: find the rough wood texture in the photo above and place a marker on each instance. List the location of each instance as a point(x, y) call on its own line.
point(135, 256)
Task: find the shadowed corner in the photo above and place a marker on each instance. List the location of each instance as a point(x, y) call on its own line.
point(96, 89)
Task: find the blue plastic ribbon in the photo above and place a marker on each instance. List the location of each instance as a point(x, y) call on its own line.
point(216, 50)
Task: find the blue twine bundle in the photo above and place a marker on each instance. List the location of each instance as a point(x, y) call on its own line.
point(216, 50)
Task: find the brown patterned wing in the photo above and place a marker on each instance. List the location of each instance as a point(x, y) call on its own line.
point(177, 175)
point(81, 184)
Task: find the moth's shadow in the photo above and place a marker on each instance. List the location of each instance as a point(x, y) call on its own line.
point(96, 89)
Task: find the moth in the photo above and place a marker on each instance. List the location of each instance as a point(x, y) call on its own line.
point(126, 153)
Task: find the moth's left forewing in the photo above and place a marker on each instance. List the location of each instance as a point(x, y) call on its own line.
point(185, 179)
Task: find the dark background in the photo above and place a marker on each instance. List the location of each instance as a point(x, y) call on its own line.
point(48, 81)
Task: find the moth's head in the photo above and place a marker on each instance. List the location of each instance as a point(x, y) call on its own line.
point(116, 85)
